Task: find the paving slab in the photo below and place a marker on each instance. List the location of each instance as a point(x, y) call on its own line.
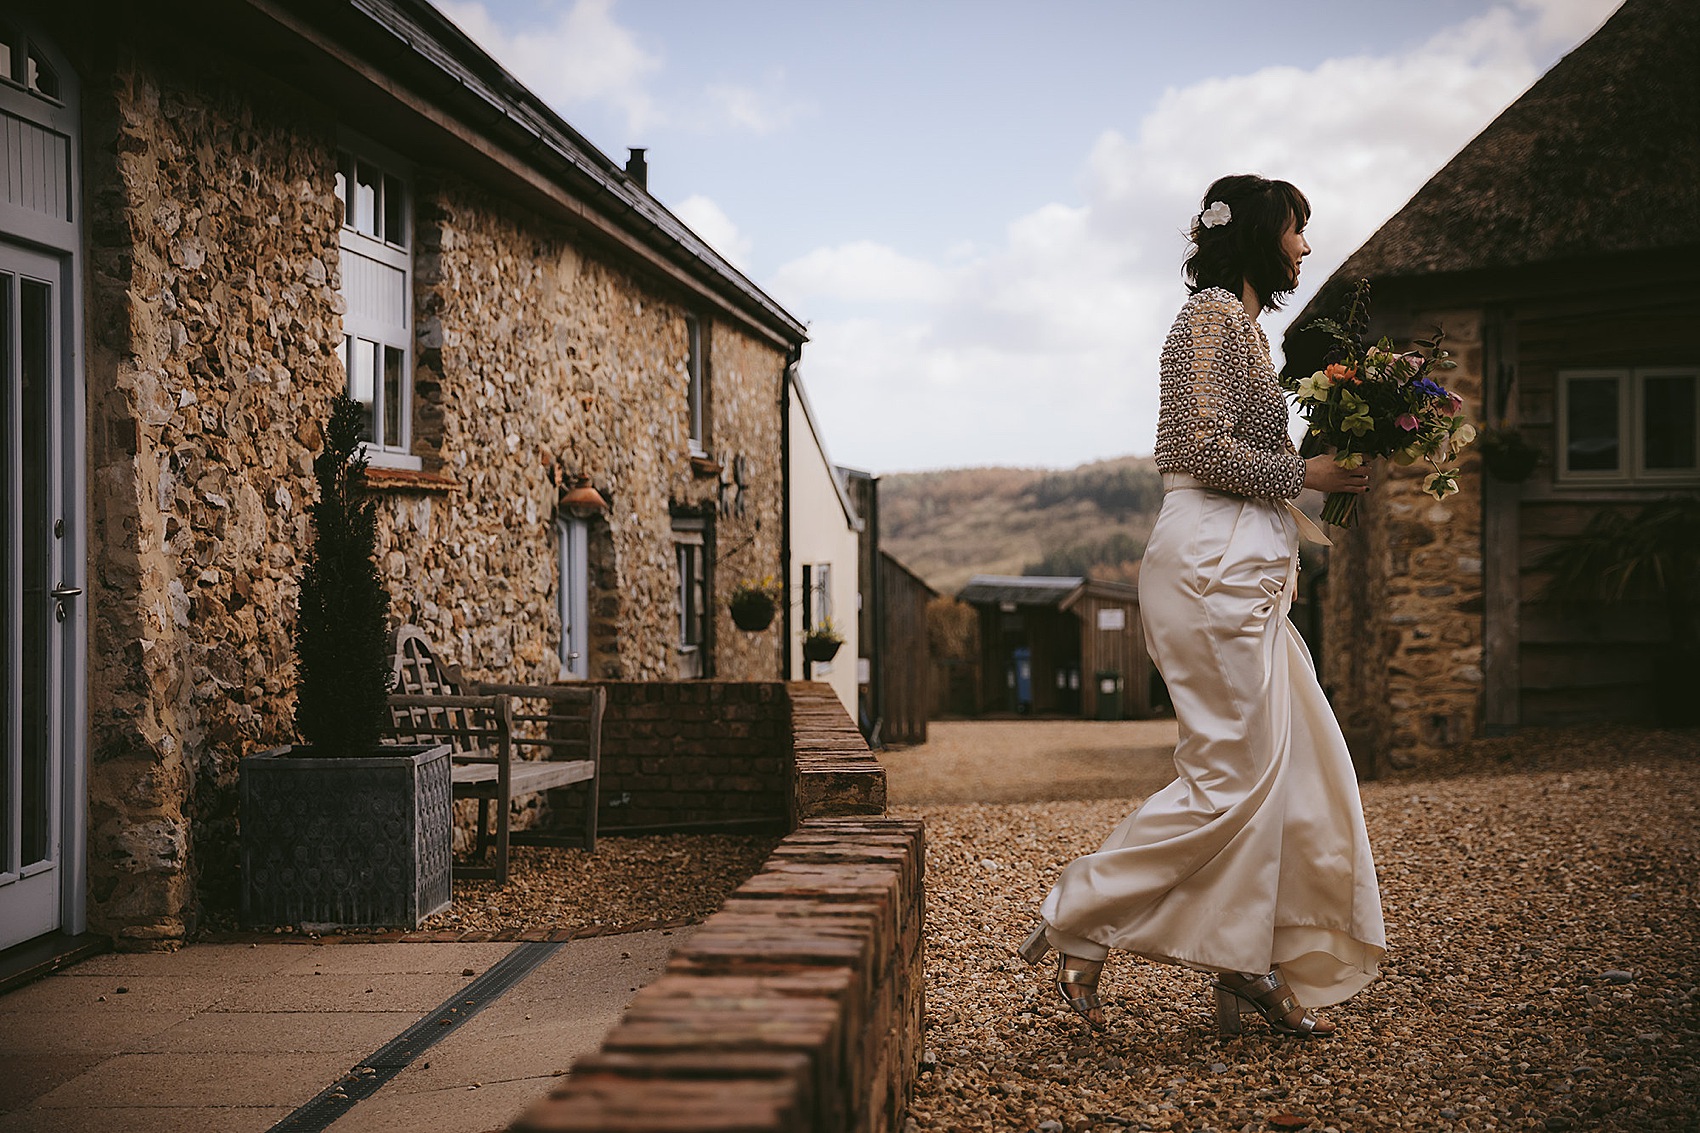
point(166, 1119)
point(231, 1038)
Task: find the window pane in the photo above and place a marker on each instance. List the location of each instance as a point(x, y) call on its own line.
point(366, 200)
point(392, 437)
point(1591, 445)
point(344, 175)
point(395, 198)
point(35, 341)
point(361, 380)
point(9, 41)
point(1667, 424)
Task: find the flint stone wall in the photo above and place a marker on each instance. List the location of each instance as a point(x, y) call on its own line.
point(1402, 612)
point(214, 331)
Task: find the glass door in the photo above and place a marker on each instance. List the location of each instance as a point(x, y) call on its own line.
point(35, 602)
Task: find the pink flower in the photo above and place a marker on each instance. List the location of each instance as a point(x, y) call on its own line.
point(1407, 422)
point(1415, 361)
point(1456, 402)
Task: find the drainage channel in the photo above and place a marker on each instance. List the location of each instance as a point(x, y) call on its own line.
point(387, 1061)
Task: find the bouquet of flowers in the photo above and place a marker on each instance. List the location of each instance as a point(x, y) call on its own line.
point(1372, 401)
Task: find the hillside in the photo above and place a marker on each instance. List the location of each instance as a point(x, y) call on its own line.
point(952, 524)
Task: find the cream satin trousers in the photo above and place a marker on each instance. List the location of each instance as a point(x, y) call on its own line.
point(1256, 855)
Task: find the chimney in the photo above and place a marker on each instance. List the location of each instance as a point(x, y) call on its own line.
point(637, 168)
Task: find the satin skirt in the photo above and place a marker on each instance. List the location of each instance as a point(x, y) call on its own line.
point(1256, 855)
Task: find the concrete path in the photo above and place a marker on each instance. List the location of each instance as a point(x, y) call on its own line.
point(227, 1038)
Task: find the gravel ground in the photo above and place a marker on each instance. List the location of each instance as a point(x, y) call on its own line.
point(626, 883)
point(1542, 897)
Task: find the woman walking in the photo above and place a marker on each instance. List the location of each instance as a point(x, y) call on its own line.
point(1253, 864)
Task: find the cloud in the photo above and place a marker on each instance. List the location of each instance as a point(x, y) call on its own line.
point(1043, 349)
point(710, 221)
point(758, 111)
point(583, 56)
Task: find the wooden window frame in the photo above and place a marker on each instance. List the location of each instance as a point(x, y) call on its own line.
point(1631, 409)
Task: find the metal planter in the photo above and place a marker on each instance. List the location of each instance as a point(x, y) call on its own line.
point(360, 842)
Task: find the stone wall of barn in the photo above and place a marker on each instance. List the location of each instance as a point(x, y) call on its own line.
point(1402, 614)
point(214, 331)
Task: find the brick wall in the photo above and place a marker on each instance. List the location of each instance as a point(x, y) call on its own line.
point(685, 754)
point(798, 1006)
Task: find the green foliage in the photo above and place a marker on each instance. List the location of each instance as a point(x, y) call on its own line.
point(342, 618)
point(1653, 552)
point(1117, 552)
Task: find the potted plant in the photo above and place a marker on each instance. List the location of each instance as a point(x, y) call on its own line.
point(821, 643)
point(343, 830)
point(753, 604)
point(1508, 454)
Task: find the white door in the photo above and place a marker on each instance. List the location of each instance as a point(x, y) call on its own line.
point(38, 604)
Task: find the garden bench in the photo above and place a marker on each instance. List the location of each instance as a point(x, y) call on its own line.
point(483, 724)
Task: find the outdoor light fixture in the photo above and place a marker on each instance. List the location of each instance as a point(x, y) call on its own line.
point(583, 500)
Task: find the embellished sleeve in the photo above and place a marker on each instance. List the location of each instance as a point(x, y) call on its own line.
point(1209, 405)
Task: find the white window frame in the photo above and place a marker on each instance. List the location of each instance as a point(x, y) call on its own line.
point(1631, 406)
point(1662, 475)
point(696, 398)
point(386, 249)
point(573, 541)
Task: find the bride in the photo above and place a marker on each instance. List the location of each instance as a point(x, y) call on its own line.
point(1253, 864)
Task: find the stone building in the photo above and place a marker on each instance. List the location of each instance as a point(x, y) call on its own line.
point(1560, 253)
point(214, 217)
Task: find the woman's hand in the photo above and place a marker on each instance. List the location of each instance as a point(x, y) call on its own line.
point(1324, 475)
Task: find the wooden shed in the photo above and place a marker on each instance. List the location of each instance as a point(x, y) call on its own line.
point(1560, 252)
point(1060, 645)
point(905, 670)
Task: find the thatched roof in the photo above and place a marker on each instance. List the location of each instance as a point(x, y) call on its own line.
point(1600, 157)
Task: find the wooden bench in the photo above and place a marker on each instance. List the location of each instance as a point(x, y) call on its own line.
point(484, 723)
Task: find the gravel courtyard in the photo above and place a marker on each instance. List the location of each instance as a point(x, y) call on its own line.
point(1542, 897)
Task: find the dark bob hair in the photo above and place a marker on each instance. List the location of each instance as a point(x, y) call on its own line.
point(1247, 249)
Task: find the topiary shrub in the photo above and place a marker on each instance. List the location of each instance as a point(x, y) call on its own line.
point(342, 616)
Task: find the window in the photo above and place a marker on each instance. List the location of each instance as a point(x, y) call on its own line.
point(377, 266)
point(688, 548)
point(1629, 426)
point(820, 594)
point(23, 64)
point(696, 392)
point(574, 538)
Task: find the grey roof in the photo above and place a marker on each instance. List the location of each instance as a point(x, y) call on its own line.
point(557, 149)
point(1601, 156)
point(1023, 590)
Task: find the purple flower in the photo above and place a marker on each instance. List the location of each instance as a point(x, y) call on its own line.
point(1407, 422)
point(1428, 387)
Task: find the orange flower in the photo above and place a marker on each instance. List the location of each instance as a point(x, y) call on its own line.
point(1340, 373)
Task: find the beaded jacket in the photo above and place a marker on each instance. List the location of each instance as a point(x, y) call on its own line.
point(1221, 416)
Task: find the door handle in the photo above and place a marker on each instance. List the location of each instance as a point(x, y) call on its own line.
point(62, 594)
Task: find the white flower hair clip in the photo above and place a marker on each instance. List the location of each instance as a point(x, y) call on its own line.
point(1216, 215)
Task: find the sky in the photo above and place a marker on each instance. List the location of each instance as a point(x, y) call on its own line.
point(978, 207)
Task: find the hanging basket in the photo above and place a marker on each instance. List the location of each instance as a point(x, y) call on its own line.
point(1509, 456)
point(752, 610)
point(821, 648)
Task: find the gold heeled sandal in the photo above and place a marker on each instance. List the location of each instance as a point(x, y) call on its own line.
point(1033, 950)
point(1268, 996)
